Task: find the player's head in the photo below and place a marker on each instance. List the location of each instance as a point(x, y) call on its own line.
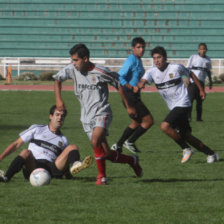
point(138, 46)
point(56, 117)
point(80, 56)
point(159, 56)
point(202, 49)
point(81, 50)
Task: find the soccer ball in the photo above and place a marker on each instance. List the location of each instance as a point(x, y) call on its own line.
point(40, 177)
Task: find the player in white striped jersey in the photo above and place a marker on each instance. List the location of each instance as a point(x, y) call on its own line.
point(48, 148)
point(91, 88)
point(168, 80)
point(200, 65)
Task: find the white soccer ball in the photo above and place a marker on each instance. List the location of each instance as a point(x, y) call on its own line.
point(40, 177)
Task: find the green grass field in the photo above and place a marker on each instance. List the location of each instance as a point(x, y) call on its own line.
point(169, 192)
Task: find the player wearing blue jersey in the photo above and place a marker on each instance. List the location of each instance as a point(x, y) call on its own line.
point(200, 65)
point(91, 88)
point(168, 80)
point(130, 74)
point(48, 148)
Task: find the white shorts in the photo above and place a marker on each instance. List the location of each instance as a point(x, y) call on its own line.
point(99, 121)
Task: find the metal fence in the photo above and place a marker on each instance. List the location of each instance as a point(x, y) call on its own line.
point(19, 64)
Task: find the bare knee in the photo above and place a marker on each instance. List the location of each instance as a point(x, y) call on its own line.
point(25, 153)
point(71, 147)
point(165, 126)
point(147, 122)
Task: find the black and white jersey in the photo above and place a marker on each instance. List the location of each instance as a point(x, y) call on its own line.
point(91, 89)
point(170, 84)
point(199, 66)
point(43, 143)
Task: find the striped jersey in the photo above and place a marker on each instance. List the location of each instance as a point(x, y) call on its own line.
point(199, 66)
point(43, 143)
point(91, 89)
point(170, 84)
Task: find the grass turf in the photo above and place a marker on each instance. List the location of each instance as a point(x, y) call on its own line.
point(169, 192)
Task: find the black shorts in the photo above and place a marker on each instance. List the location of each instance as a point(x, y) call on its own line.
point(178, 118)
point(194, 92)
point(49, 166)
point(134, 100)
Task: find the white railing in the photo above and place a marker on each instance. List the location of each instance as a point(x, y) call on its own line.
point(33, 64)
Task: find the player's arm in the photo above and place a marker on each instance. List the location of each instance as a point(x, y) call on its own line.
point(209, 78)
point(142, 83)
point(131, 111)
point(197, 83)
point(11, 148)
point(57, 90)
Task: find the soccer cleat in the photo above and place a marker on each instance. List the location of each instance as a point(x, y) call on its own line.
point(77, 166)
point(187, 153)
point(101, 180)
point(115, 147)
point(136, 167)
point(131, 147)
point(212, 158)
point(3, 178)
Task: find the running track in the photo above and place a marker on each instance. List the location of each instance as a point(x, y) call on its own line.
point(70, 88)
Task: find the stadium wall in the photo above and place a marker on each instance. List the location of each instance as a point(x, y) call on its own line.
point(48, 28)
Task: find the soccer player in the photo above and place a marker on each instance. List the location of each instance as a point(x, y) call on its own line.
point(91, 88)
point(130, 74)
point(168, 80)
point(48, 148)
point(200, 65)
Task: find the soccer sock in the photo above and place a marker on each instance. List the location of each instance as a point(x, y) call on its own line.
point(139, 131)
point(205, 149)
point(126, 134)
point(182, 143)
point(100, 163)
point(15, 167)
point(117, 157)
point(73, 156)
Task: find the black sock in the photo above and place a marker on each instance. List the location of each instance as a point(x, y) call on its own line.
point(182, 143)
point(205, 149)
point(126, 134)
point(15, 167)
point(73, 156)
point(139, 131)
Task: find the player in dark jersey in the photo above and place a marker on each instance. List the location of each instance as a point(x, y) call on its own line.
point(91, 88)
point(130, 74)
point(48, 148)
point(168, 80)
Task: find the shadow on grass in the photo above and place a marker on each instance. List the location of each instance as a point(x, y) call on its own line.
point(174, 180)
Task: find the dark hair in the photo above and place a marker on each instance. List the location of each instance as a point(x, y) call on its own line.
point(159, 50)
point(137, 40)
point(53, 108)
point(81, 50)
point(203, 44)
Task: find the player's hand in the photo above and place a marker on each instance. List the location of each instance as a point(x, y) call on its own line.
point(202, 95)
point(132, 112)
point(135, 89)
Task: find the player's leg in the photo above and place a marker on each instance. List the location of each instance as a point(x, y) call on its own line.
point(200, 146)
point(24, 160)
point(199, 103)
point(191, 93)
point(178, 117)
point(146, 123)
point(130, 129)
point(70, 156)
